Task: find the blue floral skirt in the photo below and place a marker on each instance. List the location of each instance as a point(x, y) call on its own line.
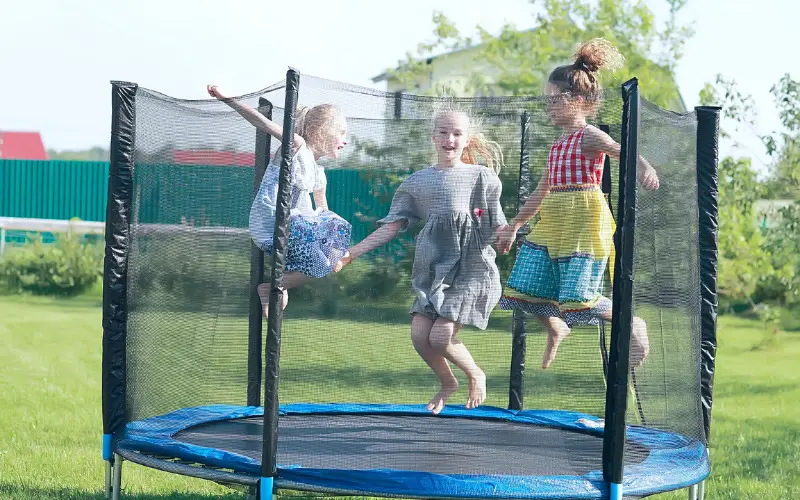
point(316, 243)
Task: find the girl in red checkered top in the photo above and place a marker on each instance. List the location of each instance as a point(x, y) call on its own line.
point(559, 271)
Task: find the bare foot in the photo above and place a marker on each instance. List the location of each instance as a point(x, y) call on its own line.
point(263, 294)
point(440, 398)
point(477, 391)
point(555, 334)
point(640, 345)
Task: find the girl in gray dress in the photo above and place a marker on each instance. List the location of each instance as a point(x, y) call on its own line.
point(455, 279)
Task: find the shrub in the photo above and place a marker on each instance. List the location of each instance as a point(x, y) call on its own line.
point(68, 266)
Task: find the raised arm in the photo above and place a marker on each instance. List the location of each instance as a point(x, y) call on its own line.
point(254, 117)
point(379, 237)
point(596, 141)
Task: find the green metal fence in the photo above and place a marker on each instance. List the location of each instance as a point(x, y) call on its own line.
point(211, 195)
point(53, 189)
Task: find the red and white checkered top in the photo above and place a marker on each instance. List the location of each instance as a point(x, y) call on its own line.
point(566, 164)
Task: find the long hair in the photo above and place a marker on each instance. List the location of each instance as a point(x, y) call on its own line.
point(479, 147)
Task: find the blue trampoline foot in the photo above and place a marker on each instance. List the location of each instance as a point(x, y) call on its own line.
point(265, 486)
point(616, 491)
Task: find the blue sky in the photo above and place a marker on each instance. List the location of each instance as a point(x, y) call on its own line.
point(58, 57)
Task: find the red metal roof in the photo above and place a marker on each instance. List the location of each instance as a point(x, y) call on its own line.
point(22, 146)
point(211, 157)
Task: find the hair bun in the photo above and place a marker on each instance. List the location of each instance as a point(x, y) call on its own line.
point(587, 66)
point(598, 53)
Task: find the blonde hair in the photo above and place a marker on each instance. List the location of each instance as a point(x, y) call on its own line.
point(315, 124)
point(479, 149)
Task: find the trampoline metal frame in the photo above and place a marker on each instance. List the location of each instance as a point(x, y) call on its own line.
point(113, 472)
point(156, 442)
point(115, 288)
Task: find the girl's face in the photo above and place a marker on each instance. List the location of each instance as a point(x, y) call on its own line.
point(336, 137)
point(450, 137)
point(562, 109)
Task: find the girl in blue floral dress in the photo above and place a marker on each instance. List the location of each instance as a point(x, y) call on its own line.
point(318, 238)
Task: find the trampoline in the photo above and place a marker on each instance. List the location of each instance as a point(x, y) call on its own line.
point(398, 450)
point(197, 383)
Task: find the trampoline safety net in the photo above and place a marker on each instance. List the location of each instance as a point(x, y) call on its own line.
point(346, 338)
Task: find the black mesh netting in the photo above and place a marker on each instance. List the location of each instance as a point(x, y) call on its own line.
point(346, 338)
point(666, 273)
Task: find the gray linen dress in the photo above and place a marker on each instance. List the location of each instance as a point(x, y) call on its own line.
point(454, 274)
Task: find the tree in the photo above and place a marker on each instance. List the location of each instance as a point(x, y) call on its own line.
point(524, 57)
point(759, 264)
point(743, 259)
point(94, 154)
point(784, 146)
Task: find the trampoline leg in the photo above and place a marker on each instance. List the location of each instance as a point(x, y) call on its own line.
point(615, 491)
point(701, 490)
point(693, 492)
point(109, 470)
point(115, 489)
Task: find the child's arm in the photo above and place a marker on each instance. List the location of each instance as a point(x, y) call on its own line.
point(320, 199)
point(507, 234)
point(532, 204)
point(255, 118)
point(596, 141)
point(379, 237)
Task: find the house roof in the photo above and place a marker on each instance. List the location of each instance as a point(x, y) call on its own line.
point(22, 146)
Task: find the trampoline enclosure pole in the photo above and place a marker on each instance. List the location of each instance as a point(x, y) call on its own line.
point(708, 198)
point(622, 309)
point(273, 347)
point(255, 326)
point(115, 261)
point(516, 383)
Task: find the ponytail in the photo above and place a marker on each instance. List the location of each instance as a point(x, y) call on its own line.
point(300, 120)
point(480, 148)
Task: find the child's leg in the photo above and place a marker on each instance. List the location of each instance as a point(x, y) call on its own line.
point(420, 333)
point(640, 344)
point(291, 279)
point(443, 339)
point(557, 330)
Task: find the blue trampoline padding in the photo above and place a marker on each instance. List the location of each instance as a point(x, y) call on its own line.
point(265, 487)
point(674, 461)
point(107, 447)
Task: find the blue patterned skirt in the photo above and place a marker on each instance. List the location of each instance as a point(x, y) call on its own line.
point(316, 243)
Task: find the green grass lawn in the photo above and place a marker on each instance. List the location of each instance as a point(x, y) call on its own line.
point(50, 419)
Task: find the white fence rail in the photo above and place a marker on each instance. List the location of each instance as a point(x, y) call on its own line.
point(47, 226)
